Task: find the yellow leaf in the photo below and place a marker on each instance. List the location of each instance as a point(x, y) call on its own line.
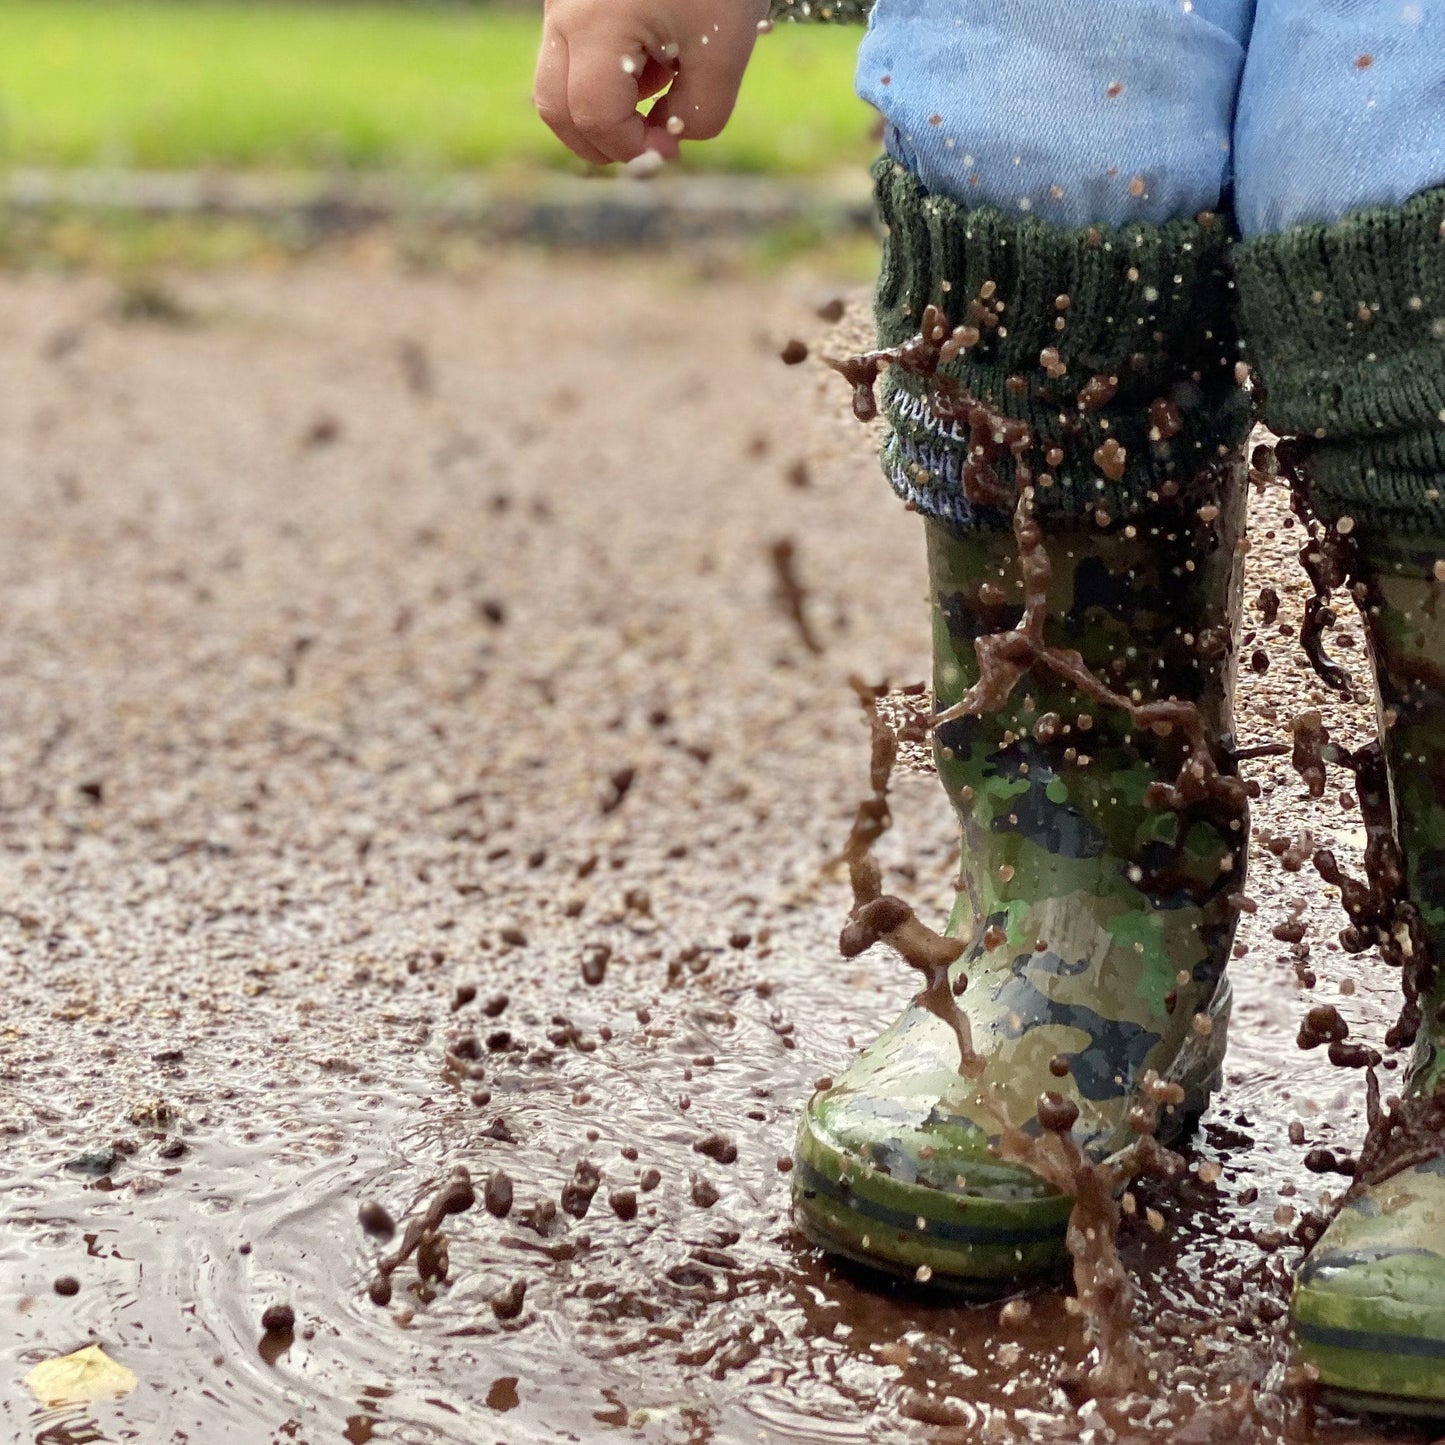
point(87, 1375)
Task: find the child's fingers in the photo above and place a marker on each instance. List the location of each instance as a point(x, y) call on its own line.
point(549, 95)
point(655, 78)
point(593, 77)
point(710, 72)
point(602, 96)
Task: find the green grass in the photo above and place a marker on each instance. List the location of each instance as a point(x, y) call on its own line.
point(152, 84)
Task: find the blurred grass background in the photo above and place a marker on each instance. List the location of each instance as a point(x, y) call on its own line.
point(277, 84)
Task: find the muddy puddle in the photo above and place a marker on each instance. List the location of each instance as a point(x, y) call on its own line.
point(441, 779)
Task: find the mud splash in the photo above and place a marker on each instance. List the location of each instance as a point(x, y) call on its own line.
point(1380, 912)
point(1407, 1131)
point(1005, 658)
point(1403, 1134)
point(877, 916)
point(1103, 1291)
point(791, 593)
point(1327, 557)
point(424, 1239)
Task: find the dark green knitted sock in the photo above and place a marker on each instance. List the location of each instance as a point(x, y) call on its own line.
point(1118, 348)
point(1345, 325)
point(838, 11)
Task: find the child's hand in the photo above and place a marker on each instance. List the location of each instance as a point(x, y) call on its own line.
point(601, 59)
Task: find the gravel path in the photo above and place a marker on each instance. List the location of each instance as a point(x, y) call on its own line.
point(407, 763)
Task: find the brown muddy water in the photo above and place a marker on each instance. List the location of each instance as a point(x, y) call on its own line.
point(427, 741)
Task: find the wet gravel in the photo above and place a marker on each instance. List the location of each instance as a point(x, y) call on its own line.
point(426, 746)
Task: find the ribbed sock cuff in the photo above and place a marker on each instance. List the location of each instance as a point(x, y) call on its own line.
point(1147, 309)
point(1345, 325)
point(842, 12)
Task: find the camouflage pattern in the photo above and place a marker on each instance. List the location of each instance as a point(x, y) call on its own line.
point(1369, 1303)
point(1098, 926)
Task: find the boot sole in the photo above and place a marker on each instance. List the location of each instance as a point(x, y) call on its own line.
point(1366, 1373)
point(993, 1271)
point(1360, 1402)
point(965, 1244)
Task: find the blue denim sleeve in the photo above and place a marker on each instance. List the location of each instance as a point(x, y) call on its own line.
point(1080, 113)
point(1342, 108)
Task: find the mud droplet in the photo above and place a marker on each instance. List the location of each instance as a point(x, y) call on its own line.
point(507, 1304)
point(594, 963)
point(718, 1147)
point(1323, 1024)
point(376, 1219)
point(1056, 1113)
point(498, 1194)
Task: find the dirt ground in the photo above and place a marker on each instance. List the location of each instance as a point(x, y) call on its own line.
point(407, 763)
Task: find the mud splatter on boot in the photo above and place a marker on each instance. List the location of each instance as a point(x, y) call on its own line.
point(1095, 921)
point(1343, 326)
point(1103, 1291)
point(1368, 1307)
point(1084, 738)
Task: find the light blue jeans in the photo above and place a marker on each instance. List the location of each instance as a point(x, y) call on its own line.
point(1088, 112)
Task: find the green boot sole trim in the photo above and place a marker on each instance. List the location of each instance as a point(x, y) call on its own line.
point(1369, 1302)
point(972, 1288)
point(968, 1243)
point(1352, 1402)
point(1375, 1372)
point(964, 1241)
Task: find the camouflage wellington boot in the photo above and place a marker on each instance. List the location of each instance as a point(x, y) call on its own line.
point(1346, 326)
point(1098, 921)
point(1103, 830)
point(1369, 1303)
